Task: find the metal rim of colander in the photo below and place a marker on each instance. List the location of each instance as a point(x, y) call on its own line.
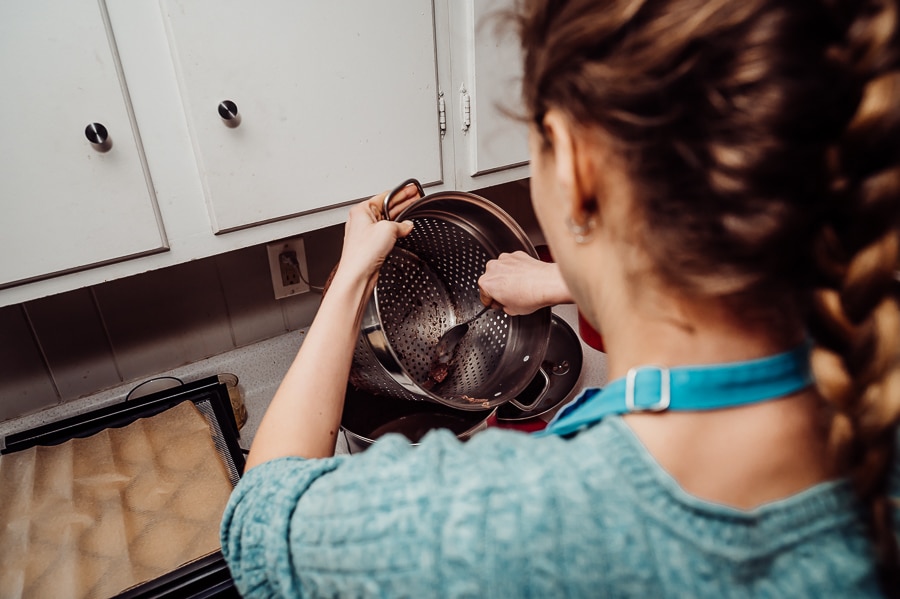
point(372, 330)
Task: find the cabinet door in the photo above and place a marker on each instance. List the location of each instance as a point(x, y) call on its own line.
point(65, 205)
point(487, 73)
point(336, 100)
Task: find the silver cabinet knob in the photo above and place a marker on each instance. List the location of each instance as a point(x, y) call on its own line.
point(228, 110)
point(97, 134)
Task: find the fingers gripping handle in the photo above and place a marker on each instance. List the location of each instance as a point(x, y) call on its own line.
point(385, 209)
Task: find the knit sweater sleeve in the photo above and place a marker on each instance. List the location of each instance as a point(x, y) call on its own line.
point(254, 528)
point(399, 521)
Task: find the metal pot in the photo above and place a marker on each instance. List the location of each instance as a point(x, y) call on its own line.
point(557, 379)
point(366, 418)
point(429, 283)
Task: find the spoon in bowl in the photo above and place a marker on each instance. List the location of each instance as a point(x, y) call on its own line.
point(446, 346)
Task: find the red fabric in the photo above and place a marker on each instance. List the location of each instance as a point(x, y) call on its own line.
point(527, 426)
point(589, 334)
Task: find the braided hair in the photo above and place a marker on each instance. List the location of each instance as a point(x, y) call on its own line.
point(762, 141)
point(855, 315)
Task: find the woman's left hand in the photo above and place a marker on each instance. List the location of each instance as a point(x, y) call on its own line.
point(521, 284)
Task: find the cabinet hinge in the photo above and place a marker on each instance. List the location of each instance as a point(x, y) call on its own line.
point(466, 105)
point(442, 114)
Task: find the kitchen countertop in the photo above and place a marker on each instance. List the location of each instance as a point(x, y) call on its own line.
point(260, 368)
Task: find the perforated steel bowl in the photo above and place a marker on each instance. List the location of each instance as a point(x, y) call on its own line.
point(429, 283)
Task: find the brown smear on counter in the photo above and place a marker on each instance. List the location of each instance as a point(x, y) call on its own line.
point(92, 517)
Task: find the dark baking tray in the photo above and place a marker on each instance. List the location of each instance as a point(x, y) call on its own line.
point(208, 576)
point(124, 413)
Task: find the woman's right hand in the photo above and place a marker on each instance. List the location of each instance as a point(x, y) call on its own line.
point(305, 414)
point(369, 237)
point(521, 284)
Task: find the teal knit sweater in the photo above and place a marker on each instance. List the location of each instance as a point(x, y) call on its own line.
point(510, 515)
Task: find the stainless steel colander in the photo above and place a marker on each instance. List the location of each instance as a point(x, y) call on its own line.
point(429, 283)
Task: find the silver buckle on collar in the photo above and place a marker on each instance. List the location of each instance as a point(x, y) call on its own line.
point(665, 389)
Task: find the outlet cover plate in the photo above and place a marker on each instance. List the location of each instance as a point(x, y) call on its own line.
point(275, 249)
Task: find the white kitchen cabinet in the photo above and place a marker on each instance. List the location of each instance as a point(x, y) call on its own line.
point(336, 100)
point(491, 141)
point(65, 205)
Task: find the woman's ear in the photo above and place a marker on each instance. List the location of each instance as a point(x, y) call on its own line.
point(572, 165)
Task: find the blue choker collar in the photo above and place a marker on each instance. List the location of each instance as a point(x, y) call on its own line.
point(684, 388)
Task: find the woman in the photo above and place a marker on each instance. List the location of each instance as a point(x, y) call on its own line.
point(718, 182)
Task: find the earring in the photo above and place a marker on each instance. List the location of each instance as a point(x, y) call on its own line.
point(582, 232)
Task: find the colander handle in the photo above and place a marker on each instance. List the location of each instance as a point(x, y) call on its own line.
point(385, 210)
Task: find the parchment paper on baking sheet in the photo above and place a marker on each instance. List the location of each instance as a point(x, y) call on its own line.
point(92, 517)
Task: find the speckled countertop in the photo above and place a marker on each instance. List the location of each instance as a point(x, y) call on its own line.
point(260, 368)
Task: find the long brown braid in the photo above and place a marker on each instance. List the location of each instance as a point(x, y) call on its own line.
point(856, 319)
point(762, 140)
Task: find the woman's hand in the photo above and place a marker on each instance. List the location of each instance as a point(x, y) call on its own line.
point(521, 284)
point(304, 416)
point(369, 237)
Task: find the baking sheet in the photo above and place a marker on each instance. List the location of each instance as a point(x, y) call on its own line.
point(92, 517)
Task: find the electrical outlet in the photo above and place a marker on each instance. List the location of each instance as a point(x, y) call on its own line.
point(287, 265)
point(290, 268)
